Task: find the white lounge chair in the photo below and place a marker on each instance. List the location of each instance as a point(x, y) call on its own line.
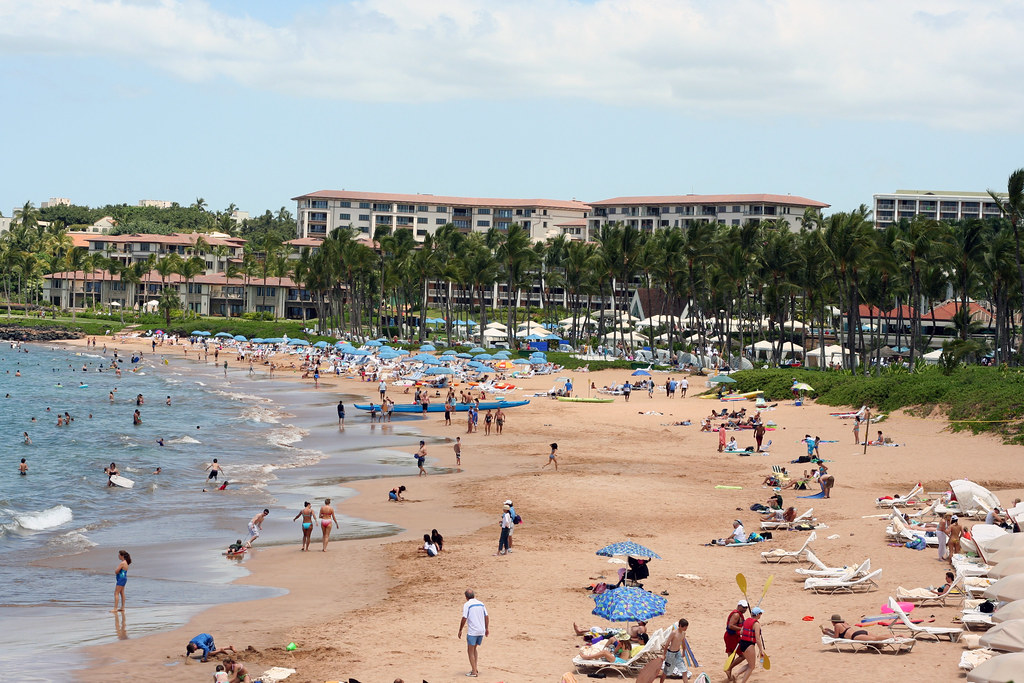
point(846, 583)
point(973, 658)
point(805, 518)
point(900, 500)
point(631, 665)
point(894, 645)
point(924, 597)
point(916, 630)
point(779, 555)
point(976, 620)
point(837, 572)
point(970, 566)
point(898, 529)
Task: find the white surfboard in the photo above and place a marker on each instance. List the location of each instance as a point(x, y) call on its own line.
point(123, 482)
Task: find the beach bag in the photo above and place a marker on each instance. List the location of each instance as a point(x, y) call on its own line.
point(917, 544)
point(517, 520)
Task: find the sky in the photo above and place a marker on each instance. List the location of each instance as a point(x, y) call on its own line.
point(252, 103)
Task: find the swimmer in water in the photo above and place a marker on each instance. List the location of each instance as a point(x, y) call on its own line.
point(158, 470)
point(110, 472)
point(137, 417)
point(28, 441)
point(159, 441)
point(168, 400)
point(111, 396)
point(23, 467)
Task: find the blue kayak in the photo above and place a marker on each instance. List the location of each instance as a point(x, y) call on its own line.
point(439, 407)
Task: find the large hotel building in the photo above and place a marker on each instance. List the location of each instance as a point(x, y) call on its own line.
point(946, 206)
point(318, 213)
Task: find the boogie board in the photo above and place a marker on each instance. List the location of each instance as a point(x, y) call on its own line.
point(123, 482)
point(581, 399)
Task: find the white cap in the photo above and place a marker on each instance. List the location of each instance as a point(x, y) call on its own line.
point(508, 502)
point(742, 603)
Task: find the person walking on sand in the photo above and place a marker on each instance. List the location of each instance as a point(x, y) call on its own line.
point(955, 533)
point(458, 451)
point(307, 524)
point(942, 532)
point(674, 664)
point(856, 430)
point(382, 388)
point(478, 625)
point(341, 414)
point(721, 438)
point(506, 529)
point(121, 577)
point(256, 527)
point(499, 421)
point(751, 639)
point(552, 457)
point(759, 434)
point(733, 624)
point(326, 517)
point(684, 384)
point(421, 457)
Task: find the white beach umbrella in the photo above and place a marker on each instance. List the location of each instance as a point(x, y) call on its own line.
point(1000, 669)
point(1000, 556)
point(1005, 637)
point(992, 541)
point(495, 326)
point(1007, 589)
point(968, 491)
point(1009, 611)
point(1008, 568)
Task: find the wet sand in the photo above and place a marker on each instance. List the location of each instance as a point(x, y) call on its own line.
point(375, 609)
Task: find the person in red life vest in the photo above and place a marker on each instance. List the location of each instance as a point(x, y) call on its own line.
point(751, 643)
point(733, 625)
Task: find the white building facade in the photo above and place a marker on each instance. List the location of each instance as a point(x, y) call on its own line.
point(678, 211)
point(318, 213)
point(946, 206)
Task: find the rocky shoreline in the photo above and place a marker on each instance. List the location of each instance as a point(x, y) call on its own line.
point(37, 334)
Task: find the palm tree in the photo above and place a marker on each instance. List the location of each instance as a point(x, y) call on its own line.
point(1012, 207)
point(512, 252)
point(169, 302)
point(188, 270)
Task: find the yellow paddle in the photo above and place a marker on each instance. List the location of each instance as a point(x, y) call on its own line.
point(767, 662)
point(741, 581)
point(764, 592)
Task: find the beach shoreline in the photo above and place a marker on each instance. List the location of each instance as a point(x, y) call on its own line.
point(374, 610)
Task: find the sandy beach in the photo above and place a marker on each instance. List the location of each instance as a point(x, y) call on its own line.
point(377, 609)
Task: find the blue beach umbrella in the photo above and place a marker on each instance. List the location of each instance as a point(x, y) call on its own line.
point(537, 361)
point(358, 352)
point(430, 360)
point(423, 357)
point(724, 379)
point(273, 340)
point(484, 356)
point(477, 349)
point(257, 340)
point(628, 604)
point(628, 548)
point(321, 345)
point(533, 337)
point(439, 371)
point(463, 355)
point(552, 337)
point(427, 347)
point(641, 373)
point(200, 333)
point(240, 338)
point(298, 342)
point(372, 343)
point(223, 334)
point(521, 361)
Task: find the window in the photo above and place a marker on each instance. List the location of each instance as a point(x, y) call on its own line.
point(264, 309)
point(502, 225)
point(143, 247)
point(483, 224)
point(735, 221)
point(345, 205)
point(344, 216)
point(735, 209)
point(266, 291)
point(364, 205)
point(484, 212)
point(507, 213)
point(406, 208)
point(117, 286)
point(234, 292)
point(403, 220)
point(439, 221)
point(317, 216)
point(318, 204)
point(364, 216)
point(460, 223)
point(422, 209)
point(381, 207)
point(612, 210)
point(383, 220)
point(421, 220)
point(441, 209)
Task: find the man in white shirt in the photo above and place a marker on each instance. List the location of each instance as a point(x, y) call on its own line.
point(382, 388)
point(738, 534)
point(684, 384)
point(506, 528)
point(477, 624)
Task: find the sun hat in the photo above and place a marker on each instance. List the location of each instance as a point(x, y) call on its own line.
point(508, 502)
point(836, 619)
point(505, 508)
point(756, 611)
point(742, 603)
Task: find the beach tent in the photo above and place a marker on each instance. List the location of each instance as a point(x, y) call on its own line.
point(833, 354)
point(1006, 637)
point(968, 491)
point(737, 363)
point(495, 326)
point(658, 321)
point(932, 357)
point(492, 333)
point(626, 338)
point(760, 349)
point(999, 669)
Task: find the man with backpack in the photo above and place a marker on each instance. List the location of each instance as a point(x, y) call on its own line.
point(516, 519)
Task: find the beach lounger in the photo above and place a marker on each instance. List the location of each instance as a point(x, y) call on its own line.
point(805, 518)
point(779, 474)
point(973, 658)
point(897, 501)
point(916, 631)
point(923, 597)
point(970, 566)
point(975, 620)
point(632, 665)
point(779, 555)
point(894, 645)
point(898, 529)
point(845, 584)
point(837, 572)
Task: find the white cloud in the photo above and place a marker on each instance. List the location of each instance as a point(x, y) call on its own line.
point(924, 62)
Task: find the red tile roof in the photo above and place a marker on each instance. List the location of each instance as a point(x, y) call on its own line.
point(947, 310)
point(581, 223)
point(431, 199)
point(904, 312)
point(174, 238)
point(154, 277)
point(683, 199)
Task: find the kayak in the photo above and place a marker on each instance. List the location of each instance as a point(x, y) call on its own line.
point(583, 399)
point(439, 407)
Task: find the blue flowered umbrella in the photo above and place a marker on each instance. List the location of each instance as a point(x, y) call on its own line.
point(628, 604)
point(641, 373)
point(628, 548)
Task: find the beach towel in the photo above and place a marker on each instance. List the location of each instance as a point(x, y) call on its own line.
point(816, 495)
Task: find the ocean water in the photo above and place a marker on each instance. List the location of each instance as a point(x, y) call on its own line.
point(61, 525)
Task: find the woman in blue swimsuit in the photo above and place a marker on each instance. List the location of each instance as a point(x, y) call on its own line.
point(307, 524)
point(121, 577)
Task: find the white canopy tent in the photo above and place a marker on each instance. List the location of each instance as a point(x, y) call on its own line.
point(629, 338)
point(491, 333)
point(932, 357)
point(833, 354)
point(658, 321)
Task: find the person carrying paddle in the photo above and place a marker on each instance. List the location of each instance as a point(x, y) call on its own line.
point(750, 640)
point(733, 624)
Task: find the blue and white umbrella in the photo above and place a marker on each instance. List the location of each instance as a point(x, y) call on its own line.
point(240, 338)
point(628, 604)
point(629, 549)
point(641, 373)
point(427, 347)
point(372, 343)
point(298, 342)
point(321, 345)
point(439, 371)
point(224, 334)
